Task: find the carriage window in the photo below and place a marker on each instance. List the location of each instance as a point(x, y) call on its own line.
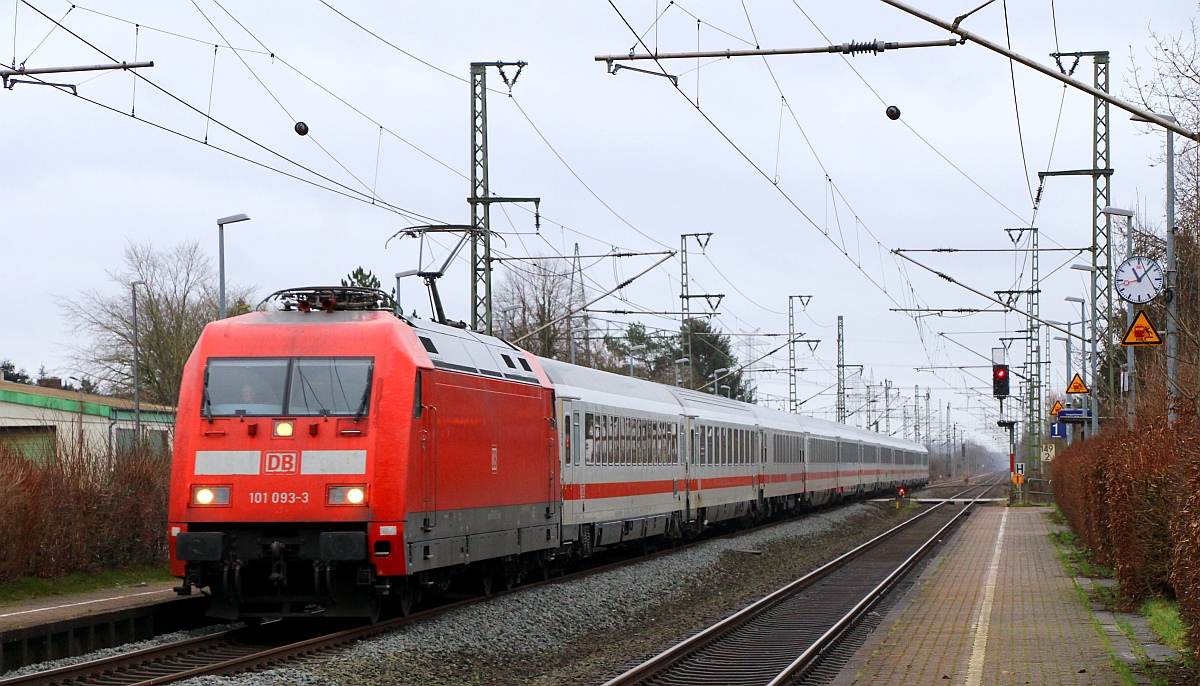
point(589, 437)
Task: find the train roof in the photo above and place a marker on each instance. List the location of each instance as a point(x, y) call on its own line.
point(594, 385)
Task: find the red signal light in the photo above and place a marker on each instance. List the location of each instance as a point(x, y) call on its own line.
point(1000, 380)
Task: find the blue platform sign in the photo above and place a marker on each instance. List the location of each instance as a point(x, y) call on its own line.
point(1058, 430)
point(1075, 416)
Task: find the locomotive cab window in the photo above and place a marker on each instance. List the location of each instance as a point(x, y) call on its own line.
point(330, 385)
point(267, 386)
point(245, 387)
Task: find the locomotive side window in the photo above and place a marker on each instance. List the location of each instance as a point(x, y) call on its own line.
point(428, 344)
point(330, 385)
point(417, 397)
point(255, 386)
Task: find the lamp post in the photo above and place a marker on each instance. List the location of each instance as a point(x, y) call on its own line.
point(137, 371)
point(1130, 408)
point(1092, 388)
point(79, 381)
point(504, 321)
point(682, 360)
point(232, 219)
point(1169, 286)
point(632, 350)
point(727, 395)
point(715, 374)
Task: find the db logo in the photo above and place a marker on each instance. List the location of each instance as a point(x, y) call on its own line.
point(280, 463)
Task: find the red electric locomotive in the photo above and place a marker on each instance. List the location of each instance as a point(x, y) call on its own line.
point(325, 456)
point(330, 455)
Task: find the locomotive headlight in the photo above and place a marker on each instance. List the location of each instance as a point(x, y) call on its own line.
point(210, 496)
point(284, 428)
point(347, 495)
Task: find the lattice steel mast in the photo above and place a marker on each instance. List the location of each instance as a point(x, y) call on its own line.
point(481, 198)
point(841, 374)
point(685, 298)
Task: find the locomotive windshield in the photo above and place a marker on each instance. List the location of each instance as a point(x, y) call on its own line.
point(265, 386)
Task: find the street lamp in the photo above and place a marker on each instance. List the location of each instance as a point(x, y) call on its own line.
point(715, 374)
point(682, 360)
point(1092, 389)
point(1172, 323)
point(1129, 357)
point(137, 372)
point(632, 350)
point(79, 381)
point(504, 320)
point(233, 219)
point(726, 390)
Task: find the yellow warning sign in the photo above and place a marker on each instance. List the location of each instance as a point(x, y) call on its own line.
point(1018, 479)
point(1077, 386)
point(1141, 332)
point(1056, 408)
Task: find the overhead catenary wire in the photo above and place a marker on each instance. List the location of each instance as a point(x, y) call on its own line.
point(344, 189)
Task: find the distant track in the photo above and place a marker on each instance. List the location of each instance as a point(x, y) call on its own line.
point(783, 636)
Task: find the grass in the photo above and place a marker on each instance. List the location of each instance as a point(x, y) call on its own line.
point(1078, 557)
point(1165, 622)
point(30, 588)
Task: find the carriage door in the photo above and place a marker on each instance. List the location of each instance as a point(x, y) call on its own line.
point(687, 457)
point(570, 447)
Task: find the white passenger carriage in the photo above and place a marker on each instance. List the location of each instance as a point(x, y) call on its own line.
point(640, 459)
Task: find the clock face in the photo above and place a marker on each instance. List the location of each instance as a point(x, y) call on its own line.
point(1138, 279)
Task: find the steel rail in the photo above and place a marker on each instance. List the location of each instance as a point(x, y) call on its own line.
point(665, 660)
point(830, 638)
point(109, 669)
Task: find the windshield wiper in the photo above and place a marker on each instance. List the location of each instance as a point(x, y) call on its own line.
point(362, 406)
point(205, 403)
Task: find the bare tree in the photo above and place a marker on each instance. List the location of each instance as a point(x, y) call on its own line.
point(177, 300)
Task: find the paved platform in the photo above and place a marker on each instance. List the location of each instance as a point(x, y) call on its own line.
point(27, 613)
point(995, 607)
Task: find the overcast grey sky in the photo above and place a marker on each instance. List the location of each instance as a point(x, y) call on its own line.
point(833, 173)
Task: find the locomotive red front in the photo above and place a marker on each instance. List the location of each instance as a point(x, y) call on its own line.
point(327, 460)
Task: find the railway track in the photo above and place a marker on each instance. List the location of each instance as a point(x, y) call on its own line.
point(784, 636)
point(267, 645)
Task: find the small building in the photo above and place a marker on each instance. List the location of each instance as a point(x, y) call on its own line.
point(36, 420)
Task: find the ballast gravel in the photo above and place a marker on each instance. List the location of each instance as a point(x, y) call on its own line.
point(590, 629)
point(163, 639)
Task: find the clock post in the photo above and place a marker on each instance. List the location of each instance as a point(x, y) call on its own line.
point(1123, 288)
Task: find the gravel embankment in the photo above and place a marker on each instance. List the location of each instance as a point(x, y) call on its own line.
point(586, 630)
point(120, 650)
